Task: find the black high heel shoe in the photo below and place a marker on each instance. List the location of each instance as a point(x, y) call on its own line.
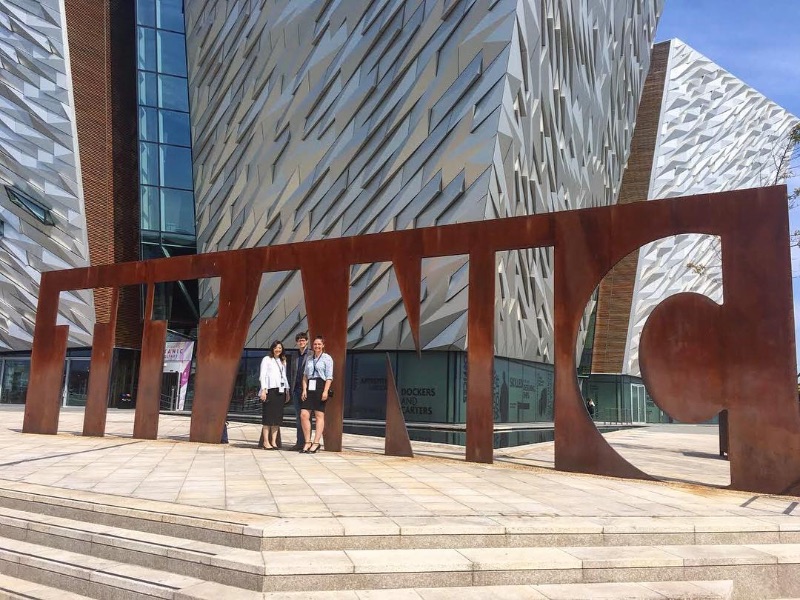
point(306, 448)
point(315, 450)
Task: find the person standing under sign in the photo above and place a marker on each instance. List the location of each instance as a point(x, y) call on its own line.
point(297, 384)
point(274, 393)
point(317, 382)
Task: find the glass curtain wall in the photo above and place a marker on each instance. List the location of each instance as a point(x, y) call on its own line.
point(165, 152)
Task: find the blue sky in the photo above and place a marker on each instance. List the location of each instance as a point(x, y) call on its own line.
point(758, 42)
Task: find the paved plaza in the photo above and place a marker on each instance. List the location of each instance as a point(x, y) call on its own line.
point(115, 517)
point(361, 482)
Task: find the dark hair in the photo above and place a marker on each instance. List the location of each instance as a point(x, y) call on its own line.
point(274, 345)
point(321, 338)
point(303, 335)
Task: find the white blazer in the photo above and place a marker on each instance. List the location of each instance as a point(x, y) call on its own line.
point(273, 374)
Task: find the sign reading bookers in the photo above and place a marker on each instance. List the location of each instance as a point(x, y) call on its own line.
point(421, 384)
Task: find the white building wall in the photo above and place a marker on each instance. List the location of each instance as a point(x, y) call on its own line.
point(715, 134)
point(38, 156)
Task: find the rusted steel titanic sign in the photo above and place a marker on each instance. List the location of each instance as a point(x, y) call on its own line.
point(697, 357)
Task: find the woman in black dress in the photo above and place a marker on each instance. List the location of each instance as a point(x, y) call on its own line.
point(317, 381)
point(274, 390)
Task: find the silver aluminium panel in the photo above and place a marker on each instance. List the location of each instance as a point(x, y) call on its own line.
point(43, 219)
point(327, 118)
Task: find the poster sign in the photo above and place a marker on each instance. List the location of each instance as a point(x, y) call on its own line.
point(178, 359)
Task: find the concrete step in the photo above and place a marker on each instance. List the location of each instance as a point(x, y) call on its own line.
point(237, 530)
point(686, 590)
point(29, 569)
point(260, 532)
point(758, 571)
point(221, 564)
point(19, 589)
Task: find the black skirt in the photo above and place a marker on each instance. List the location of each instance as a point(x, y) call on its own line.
point(314, 397)
point(272, 409)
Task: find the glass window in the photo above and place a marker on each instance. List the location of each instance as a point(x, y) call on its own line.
point(29, 204)
point(77, 386)
point(174, 128)
point(171, 53)
point(176, 167)
point(182, 240)
point(15, 381)
point(173, 93)
point(148, 92)
point(170, 14)
point(178, 211)
point(148, 163)
point(150, 237)
point(150, 251)
point(146, 13)
point(147, 48)
point(150, 208)
point(148, 128)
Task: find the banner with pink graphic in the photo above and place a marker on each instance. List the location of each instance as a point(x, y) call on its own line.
point(178, 359)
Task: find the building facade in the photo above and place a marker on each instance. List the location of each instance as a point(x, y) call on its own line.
point(137, 129)
point(345, 118)
point(700, 130)
point(68, 180)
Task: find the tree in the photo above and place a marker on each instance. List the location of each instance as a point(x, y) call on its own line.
point(789, 162)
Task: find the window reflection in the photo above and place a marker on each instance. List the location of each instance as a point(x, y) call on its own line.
point(146, 12)
point(148, 92)
point(148, 163)
point(178, 209)
point(150, 208)
point(176, 167)
point(170, 15)
point(174, 128)
point(147, 48)
point(148, 129)
point(171, 53)
point(173, 93)
point(15, 381)
point(167, 226)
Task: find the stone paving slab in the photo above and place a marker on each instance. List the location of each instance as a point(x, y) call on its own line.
point(688, 590)
point(359, 490)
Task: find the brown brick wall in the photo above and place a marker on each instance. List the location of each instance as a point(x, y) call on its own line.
point(101, 36)
point(616, 290)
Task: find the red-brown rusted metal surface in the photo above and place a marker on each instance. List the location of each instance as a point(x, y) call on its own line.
point(480, 358)
point(326, 283)
point(219, 345)
point(94, 418)
point(151, 363)
point(746, 346)
point(738, 355)
point(43, 399)
point(396, 441)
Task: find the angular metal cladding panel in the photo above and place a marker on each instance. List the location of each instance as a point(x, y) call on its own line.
point(342, 118)
point(715, 134)
point(39, 157)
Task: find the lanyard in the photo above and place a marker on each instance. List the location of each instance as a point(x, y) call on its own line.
point(314, 366)
point(281, 368)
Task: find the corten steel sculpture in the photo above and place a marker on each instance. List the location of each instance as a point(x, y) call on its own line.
point(697, 357)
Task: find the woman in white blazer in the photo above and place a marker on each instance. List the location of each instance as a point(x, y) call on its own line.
point(273, 394)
